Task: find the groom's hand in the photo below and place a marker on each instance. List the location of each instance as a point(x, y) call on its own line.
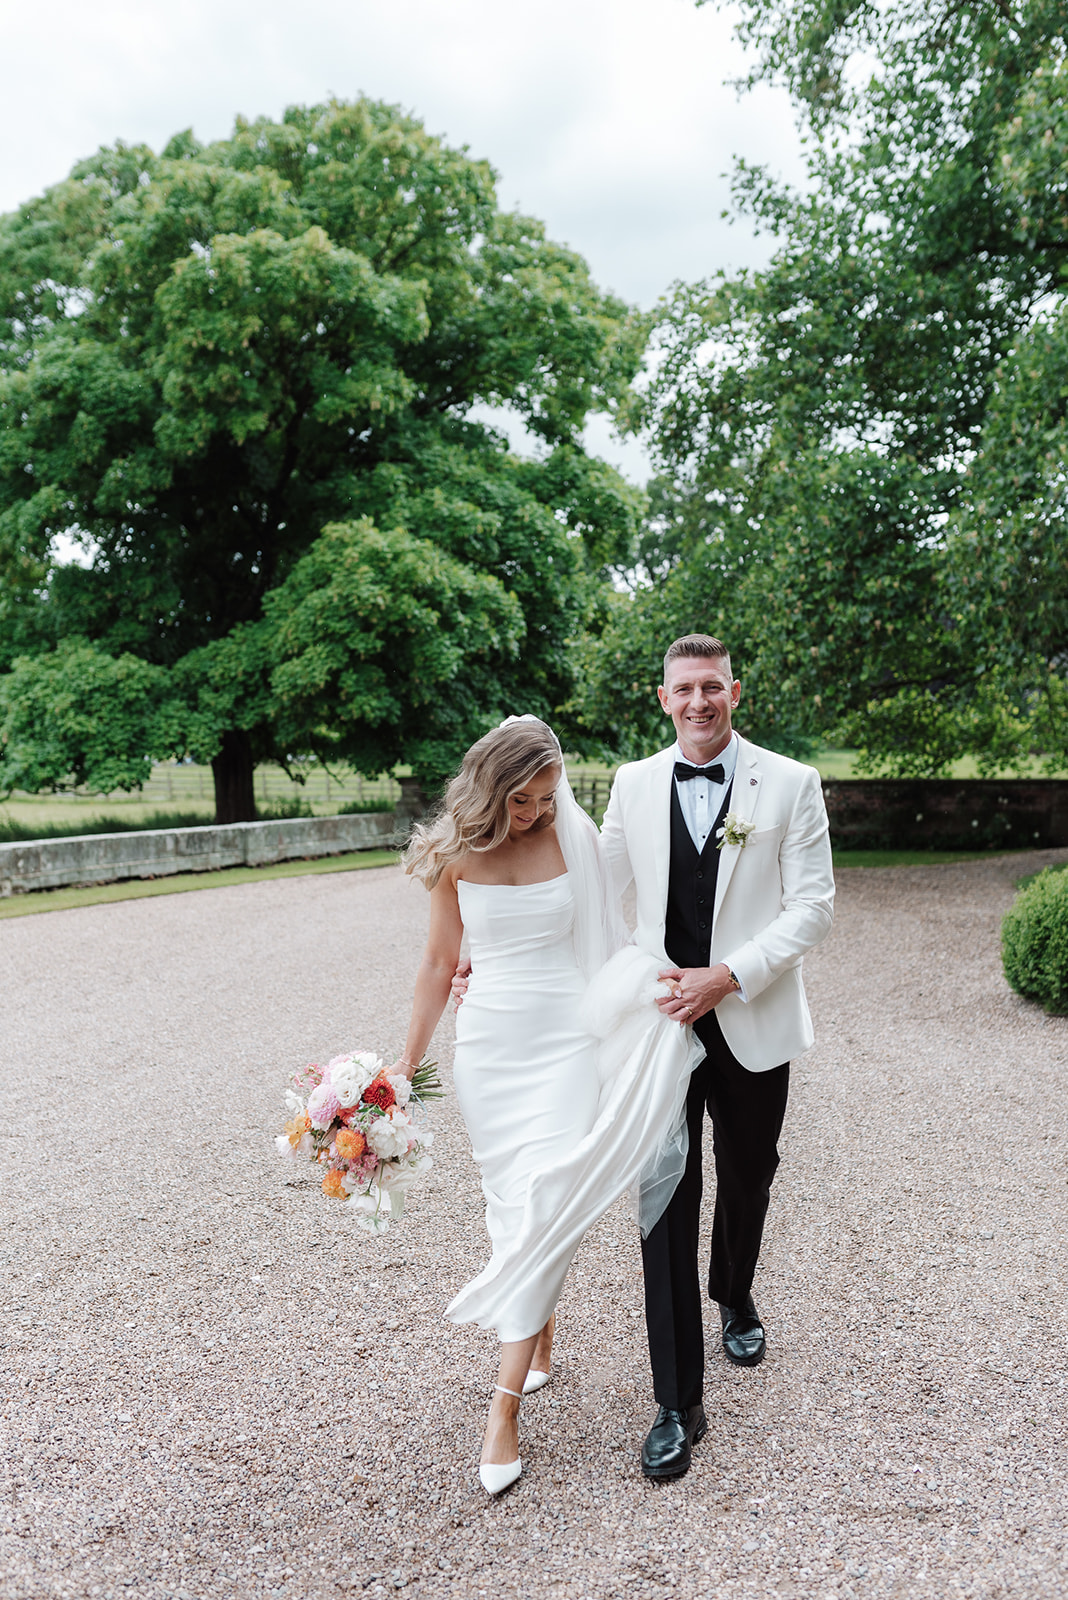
point(460, 979)
point(695, 991)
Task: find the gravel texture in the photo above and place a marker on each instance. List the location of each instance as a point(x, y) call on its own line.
point(216, 1386)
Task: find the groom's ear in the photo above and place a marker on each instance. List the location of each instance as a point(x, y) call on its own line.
point(662, 696)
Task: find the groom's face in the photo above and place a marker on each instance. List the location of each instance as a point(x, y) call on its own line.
point(699, 696)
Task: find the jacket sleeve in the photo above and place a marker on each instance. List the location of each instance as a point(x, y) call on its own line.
point(807, 895)
point(613, 838)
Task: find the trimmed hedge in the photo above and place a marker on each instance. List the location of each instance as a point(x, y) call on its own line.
point(1034, 941)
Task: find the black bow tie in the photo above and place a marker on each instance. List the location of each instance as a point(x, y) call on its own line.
point(714, 774)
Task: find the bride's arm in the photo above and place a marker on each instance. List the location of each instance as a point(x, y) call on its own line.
point(434, 977)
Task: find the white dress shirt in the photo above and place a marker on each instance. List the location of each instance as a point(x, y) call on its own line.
point(700, 798)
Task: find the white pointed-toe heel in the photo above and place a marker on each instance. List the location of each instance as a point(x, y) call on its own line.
point(495, 1479)
point(496, 1476)
point(535, 1380)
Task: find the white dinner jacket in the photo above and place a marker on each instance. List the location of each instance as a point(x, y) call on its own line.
point(774, 897)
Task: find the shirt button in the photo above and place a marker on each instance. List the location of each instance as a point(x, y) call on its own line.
point(702, 924)
point(701, 874)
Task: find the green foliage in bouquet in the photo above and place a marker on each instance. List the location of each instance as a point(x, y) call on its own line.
point(1034, 941)
point(426, 1084)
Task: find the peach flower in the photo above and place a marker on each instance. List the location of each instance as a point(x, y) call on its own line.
point(297, 1127)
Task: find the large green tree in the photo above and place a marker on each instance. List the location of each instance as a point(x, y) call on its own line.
point(862, 445)
point(241, 378)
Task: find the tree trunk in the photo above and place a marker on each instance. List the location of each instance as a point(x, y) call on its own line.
point(233, 771)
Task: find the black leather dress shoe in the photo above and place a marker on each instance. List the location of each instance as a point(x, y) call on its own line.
point(743, 1334)
point(667, 1448)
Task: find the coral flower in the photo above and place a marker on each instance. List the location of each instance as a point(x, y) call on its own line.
point(350, 1144)
point(380, 1093)
point(333, 1185)
point(298, 1127)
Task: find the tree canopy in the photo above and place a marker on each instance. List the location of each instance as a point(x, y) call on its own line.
point(862, 447)
point(241, 377)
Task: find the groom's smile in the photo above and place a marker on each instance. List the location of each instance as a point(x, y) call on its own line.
point(699, 696)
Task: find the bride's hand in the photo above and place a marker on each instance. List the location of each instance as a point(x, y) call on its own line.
point(694, 991)
point(399, 1066)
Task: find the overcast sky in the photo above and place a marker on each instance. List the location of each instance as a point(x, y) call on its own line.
point(608, 119)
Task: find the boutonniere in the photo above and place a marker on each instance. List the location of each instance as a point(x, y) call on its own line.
point(735, 830)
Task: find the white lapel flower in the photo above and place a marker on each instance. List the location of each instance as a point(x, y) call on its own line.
point(735, 830)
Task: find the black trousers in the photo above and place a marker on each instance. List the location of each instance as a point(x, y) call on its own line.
point(747, 1110)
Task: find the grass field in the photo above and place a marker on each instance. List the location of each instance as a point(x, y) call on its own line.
point(182, 795)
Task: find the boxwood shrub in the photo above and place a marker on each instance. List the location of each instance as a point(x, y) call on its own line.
point(1034, 940)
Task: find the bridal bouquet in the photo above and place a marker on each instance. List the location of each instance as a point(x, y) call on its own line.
point(364, 1126)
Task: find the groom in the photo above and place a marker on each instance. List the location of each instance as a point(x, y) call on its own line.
point(727, 846)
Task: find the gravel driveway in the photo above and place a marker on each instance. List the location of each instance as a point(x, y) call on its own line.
point(216, 1386)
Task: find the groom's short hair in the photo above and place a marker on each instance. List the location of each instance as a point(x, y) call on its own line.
point(697, 646)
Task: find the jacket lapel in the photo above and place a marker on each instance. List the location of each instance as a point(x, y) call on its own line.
point(744, 795)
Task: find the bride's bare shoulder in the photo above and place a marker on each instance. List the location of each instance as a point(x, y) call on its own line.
point(478, 866)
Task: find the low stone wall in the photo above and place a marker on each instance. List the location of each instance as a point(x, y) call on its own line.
point(947, 813)
point(865, 814)
point(108, 857)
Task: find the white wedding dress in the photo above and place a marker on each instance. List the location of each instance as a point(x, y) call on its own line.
point(570, 1091)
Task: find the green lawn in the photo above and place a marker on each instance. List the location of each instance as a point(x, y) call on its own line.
point(183, 795)
point(186, 790)
point(842, 764)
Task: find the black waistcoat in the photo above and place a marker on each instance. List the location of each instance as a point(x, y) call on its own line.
point(691, 889)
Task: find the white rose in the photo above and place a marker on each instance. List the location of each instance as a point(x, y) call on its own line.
point(293, 1103)
point(401, 1087)
point(388, 1136)
point(350, 1075)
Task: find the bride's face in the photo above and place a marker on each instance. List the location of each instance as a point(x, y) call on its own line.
point(528, 805)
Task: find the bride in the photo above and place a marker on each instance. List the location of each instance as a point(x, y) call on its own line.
point(570, 1090)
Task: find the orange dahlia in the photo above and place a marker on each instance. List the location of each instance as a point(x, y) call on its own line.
point(350, 1144)
point(334, 1186)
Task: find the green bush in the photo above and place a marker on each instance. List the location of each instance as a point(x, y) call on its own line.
point(284, 810)
point(78, 827)
point(360, 808)
point(1034, 940)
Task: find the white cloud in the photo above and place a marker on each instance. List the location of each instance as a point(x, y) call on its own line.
point(608, 119)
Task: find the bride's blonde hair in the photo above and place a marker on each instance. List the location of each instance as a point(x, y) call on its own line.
point(474, 812)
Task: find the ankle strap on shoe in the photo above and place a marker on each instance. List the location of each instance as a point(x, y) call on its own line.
point(503, 1390)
